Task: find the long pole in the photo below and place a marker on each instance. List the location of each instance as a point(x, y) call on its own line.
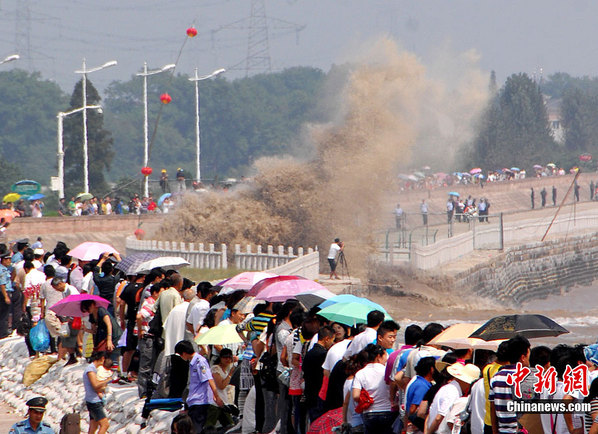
point(145, 131)
point(197, 131)
point(60, 155)
point(85, 150)
point(562, 203)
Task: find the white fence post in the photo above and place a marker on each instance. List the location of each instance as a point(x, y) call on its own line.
point(224, 260)
point(238, 256)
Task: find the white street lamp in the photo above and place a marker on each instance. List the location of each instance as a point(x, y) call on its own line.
point(145, 74)
point(10, 58)
point(60, 154)
point(197, 79)
point(84, 71)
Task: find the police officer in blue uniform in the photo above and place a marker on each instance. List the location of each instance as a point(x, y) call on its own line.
point(33, 424)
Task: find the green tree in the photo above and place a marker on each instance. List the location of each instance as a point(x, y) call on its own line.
point(241, 120)
point(514, 129)
point(28, 109)
point(10, 173)
point(99, 142)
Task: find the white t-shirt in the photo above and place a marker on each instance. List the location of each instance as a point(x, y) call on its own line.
point(548, 420)
point(456, 409)
point(198, 313)
point(334, 249)
point(443, 401)
point(364, 338)
point(371, 378)
point(353, 418)
point(478, 407)
point(335, 354)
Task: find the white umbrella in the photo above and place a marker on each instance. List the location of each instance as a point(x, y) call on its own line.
point(164, 262)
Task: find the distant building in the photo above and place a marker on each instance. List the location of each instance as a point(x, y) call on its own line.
point(553, 110)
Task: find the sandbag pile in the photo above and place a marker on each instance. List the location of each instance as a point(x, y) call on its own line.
point(63, 387)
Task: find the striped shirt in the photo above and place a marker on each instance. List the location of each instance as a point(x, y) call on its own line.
point(147, 313)
point(500, 394)
point(259, 323)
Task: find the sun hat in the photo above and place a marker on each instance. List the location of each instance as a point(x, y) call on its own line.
point(466, 373)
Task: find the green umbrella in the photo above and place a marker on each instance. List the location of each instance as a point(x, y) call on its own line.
point(349, 313)
point(220, 335)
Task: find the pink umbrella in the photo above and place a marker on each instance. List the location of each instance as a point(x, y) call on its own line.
point(264, 283)
point(71, 305)
point(247, 279)
point(90, 250)
point(476, 170)
point(286, 289)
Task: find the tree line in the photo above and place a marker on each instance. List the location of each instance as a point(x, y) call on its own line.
point(514, 128)
point(241, 120)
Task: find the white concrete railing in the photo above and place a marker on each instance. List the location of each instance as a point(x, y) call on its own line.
point(196, 255)
point(199, 257)
point(307, 266)
point(447, 250)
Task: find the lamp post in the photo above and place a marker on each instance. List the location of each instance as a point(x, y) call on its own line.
point(10, 58)
point(84, 71)
point(145, 74)
point(197, 79)
point(60, 154)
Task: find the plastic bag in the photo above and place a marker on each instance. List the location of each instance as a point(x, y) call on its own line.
point(39, 336)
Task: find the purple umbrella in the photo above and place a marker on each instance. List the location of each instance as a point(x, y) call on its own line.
point(287, 289)
point(71, 305)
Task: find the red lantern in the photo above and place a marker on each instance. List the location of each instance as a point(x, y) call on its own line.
point(165, 98)
point(146, 171)
point(585, 157)
point(139, 233)
point(191, 32)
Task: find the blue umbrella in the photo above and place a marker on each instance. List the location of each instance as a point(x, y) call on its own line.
point(36, 196)
point(515, 169)
point(454, 193)
point(162, 198)
point(350, 298)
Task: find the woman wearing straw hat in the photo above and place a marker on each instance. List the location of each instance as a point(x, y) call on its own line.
point(463, 376)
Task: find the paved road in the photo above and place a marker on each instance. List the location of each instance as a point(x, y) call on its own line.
point(8, 417)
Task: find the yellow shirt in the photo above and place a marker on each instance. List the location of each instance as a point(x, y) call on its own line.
point(488, 373)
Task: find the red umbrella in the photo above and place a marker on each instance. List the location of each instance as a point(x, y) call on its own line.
point(325, 423)
point(264, 283)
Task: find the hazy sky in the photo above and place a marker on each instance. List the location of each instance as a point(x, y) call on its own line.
point(53, 36)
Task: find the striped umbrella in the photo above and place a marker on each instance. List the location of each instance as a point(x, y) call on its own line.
point(132, 262)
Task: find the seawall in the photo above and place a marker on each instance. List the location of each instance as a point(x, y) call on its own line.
point(533, 271)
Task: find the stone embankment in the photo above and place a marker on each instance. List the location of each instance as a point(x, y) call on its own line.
point(534, 270)
point(63, 387)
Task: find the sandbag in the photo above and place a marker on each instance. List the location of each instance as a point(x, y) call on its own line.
point(37, 368)
point(39, 336)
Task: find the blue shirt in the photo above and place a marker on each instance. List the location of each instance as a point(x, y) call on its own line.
point(416, 392)
point(5, 278)
point(24, 427)
point(91, 395)
point(200, 392)
point(17, 257)
point(501, 393)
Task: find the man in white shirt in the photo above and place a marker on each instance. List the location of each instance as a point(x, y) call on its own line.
point(335, 249)
point(174, 325)
point(463, 376)
point(199, 307)
point(368, 336)
point(61, 286)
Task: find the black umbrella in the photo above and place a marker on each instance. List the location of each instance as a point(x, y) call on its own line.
point(528, 325)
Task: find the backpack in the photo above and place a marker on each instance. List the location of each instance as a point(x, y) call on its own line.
point(70, 424)
point(156, 329)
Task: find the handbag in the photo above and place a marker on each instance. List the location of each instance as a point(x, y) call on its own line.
point(365, 401)
point(285, 377)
